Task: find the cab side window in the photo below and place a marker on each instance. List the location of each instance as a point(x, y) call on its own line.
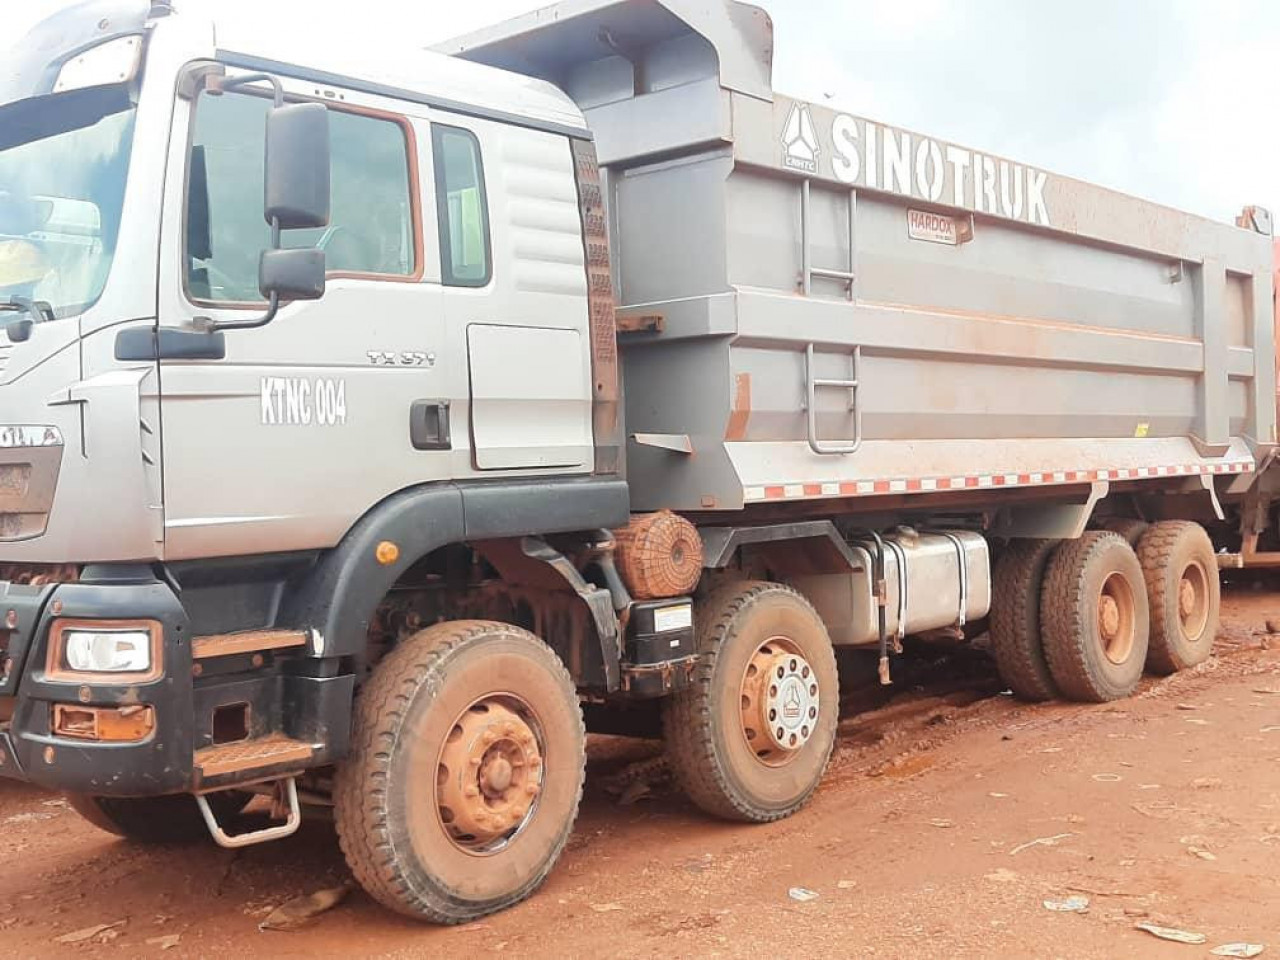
point(462, 208)
point(371, 229)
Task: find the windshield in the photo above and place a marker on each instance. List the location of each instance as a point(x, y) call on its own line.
point(63, 164)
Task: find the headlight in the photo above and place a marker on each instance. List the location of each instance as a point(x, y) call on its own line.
point(115, 61)
point(108, 651)
point(118, 651)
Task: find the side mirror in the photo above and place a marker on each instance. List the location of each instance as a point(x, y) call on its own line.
point(291, 274)
point(297, 166)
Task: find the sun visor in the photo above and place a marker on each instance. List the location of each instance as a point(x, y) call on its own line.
point(32, 66)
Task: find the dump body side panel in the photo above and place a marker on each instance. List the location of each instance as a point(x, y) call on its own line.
point(820, 305)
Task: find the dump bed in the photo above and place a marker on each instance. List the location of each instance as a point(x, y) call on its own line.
point(814, 304)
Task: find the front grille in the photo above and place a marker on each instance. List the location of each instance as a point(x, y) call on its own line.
point(6, 351)
point(30, 460)
point(38, 574)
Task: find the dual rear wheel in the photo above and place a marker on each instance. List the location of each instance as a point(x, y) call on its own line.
point(1082, 619)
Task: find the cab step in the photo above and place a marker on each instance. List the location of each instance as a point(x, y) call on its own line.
point(249, 761)
point(285, 798)
point(248, 641)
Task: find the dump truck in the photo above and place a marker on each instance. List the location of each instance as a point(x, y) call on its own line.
point(373, 425)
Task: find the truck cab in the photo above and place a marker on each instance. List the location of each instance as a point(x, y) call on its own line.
point(273, 336)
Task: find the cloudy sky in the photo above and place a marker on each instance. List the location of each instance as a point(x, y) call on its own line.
point(1173, 100)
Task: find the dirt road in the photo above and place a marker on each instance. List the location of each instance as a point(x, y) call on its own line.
point(950, 814)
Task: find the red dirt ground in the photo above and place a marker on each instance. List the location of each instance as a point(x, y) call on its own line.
point(921, 842)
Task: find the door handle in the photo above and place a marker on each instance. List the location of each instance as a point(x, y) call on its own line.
point(429, 425)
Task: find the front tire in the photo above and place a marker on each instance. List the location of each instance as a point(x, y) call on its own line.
point(1093, 607)
point(466, 771)
point(749, 740)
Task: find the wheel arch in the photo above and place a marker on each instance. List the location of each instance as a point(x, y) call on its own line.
point(341, 593)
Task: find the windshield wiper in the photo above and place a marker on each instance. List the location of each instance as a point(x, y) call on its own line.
point(40, 310)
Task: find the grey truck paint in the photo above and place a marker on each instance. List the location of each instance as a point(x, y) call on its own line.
point(1005, 326)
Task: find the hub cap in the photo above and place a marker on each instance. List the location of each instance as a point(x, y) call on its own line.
point(1116, 618)
point(489, 775)
point(1193, 601)
point(780, 701)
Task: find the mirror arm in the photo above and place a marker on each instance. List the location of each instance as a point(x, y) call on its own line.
point(213, 326)
point(221, 84)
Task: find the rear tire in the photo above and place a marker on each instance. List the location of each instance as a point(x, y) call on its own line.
point(1094, 609)
point(1016, 642)
point(749, 740)
point(169, 819)
point(1184, 592)
point(465, 774)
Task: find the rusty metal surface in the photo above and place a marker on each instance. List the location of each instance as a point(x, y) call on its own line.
point(128, 724)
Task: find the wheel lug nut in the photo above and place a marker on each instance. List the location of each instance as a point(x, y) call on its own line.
point(531, 789)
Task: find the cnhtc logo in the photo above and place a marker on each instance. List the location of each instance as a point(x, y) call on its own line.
point(799, 141)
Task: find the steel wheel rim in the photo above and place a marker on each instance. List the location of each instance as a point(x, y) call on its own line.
point(489, 774)
point(780, 700)
point(1193, 601)
point(1116, 618)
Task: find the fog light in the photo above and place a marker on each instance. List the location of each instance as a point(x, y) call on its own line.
point(107, 724)
point(108, 651)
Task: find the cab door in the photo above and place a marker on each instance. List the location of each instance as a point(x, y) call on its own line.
point(307, 422)
point(514, 279)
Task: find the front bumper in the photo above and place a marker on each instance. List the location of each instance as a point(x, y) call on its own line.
point(31, 750)
point(290, 700)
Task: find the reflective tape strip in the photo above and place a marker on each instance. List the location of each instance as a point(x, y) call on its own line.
point(899, 485)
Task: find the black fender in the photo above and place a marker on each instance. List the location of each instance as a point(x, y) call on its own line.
point(341, 594)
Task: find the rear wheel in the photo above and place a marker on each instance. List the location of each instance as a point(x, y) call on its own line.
point(1094, 609)
point(465, 773)
point(1015, 619)
point(171, 819)
point(750, 738)
point(1185, 595)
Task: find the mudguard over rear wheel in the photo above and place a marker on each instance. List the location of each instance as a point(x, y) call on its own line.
point(750, 738)
point(465, 774)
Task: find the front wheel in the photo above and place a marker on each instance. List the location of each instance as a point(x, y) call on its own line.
point(465, 774)
point(750, 738)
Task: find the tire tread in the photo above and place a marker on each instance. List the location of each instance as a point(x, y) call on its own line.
point(360, 808)
point(687, 717)
point(1016, 641)
point(1062, 609)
